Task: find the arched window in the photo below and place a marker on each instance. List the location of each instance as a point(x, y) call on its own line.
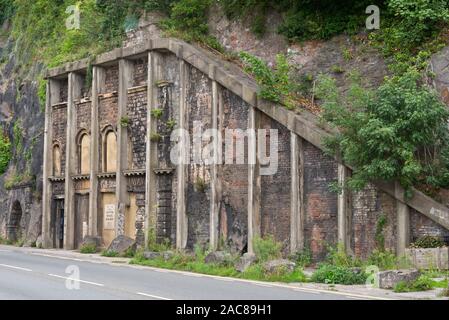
point(57, 161)
point(84, 154)
point(110, 152)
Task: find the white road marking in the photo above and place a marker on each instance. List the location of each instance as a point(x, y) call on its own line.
point(82, 281)
point(197, 275)
point(152, 296)
point(298, 290)
point(14, 267)
point(263, 285)
point(5, 250)
point(58, 257)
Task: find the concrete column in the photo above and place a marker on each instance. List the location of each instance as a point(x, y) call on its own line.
point(181, 217)
point(98, 78)
point(52, 97)
point(343, 208)
point(215, 197)
point(75, 85)
point(254, 181)
point(151, 149)
point(297, 194)
point(403, 231)
point(125, 82)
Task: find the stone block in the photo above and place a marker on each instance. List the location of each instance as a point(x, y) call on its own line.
point(429, 258)
point(245, 262)
point(121, 244)
point(279, 266)
point(388, 279)
point(218, 257)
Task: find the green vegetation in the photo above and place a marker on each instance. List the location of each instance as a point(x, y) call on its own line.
point(109, 253)
point(157, 113)
point(428, 242)
point(388, 134)
point(276, 86)
point(124, 121)
point(267, 248)
point(88, 248)
point(155, 137)
point(154, 245)
point(5, 152)
point(423, 283)
point(333, 274)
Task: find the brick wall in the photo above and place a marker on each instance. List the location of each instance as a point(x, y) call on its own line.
point(111, 82)
point(233, 217)
point(59, 126)
point(137, 114)
point(108, 112)
point(83, 116)
point(276, 189)
point(140, 72)
point(63, 91)
point(320, 229)
point(423, 226)
point(199, 109)
point(368, 207)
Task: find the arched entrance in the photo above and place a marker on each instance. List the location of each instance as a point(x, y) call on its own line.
point(13, 228)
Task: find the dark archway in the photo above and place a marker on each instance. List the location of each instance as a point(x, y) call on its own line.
point(14, 230)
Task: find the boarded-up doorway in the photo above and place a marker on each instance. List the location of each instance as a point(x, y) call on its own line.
point(106, 218)
point(81, 218)
point(57, 224)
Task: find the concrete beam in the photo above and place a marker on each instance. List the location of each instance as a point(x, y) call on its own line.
point(126, 69)
point(403, 227)
point(215, 197)
point(297, 194)
point(75, 85)
point(254, 181)
point(343, 208)
point(98, 79)
point(52, 97)
point(151, 148)
point(181, 216)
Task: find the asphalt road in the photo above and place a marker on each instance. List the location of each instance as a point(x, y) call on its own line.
point(31, 276)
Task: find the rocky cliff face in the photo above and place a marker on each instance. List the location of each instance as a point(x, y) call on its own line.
point(22, 119)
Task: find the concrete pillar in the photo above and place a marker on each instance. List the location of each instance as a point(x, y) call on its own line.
point(403, 231)
point(297, 194)
point(151, 149)
point(125, 82)
point(52, 97)
point(343, 209)
point(75, 85)
point(215, 197)
point(181, 217)
point(254, 181)
point(98, 79)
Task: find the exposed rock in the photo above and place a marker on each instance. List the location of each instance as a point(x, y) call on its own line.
point(388, 279)
point(121, 244)
point(91, 241)
point(218, 257)
point(277, 266)
point(245, 262)
point(151, 255)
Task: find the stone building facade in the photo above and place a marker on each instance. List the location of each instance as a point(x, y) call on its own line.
point(109, 169)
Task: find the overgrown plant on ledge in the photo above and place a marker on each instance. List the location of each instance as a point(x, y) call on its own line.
point(396, 132)
point(275, 85)
point(5, 152)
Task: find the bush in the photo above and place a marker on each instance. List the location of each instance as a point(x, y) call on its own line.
point(303, 258)
point(428, 242)
point(267, 248)
point(337, 256)
point(275, 86)
point(109, 253)
point(332, 274)
point(5, 153)
point(398, 132)
point(383, 259)
point(423, 283)
point(88, 248)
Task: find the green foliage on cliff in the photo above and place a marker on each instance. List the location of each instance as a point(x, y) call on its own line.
point(397, 132)
point(5, 152)
point(6, 10)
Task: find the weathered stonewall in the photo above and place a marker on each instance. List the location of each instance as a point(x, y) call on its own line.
point(281, 265)
point(89, 240)
point(388, 279)
point(245, 262)
point(121, 244)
